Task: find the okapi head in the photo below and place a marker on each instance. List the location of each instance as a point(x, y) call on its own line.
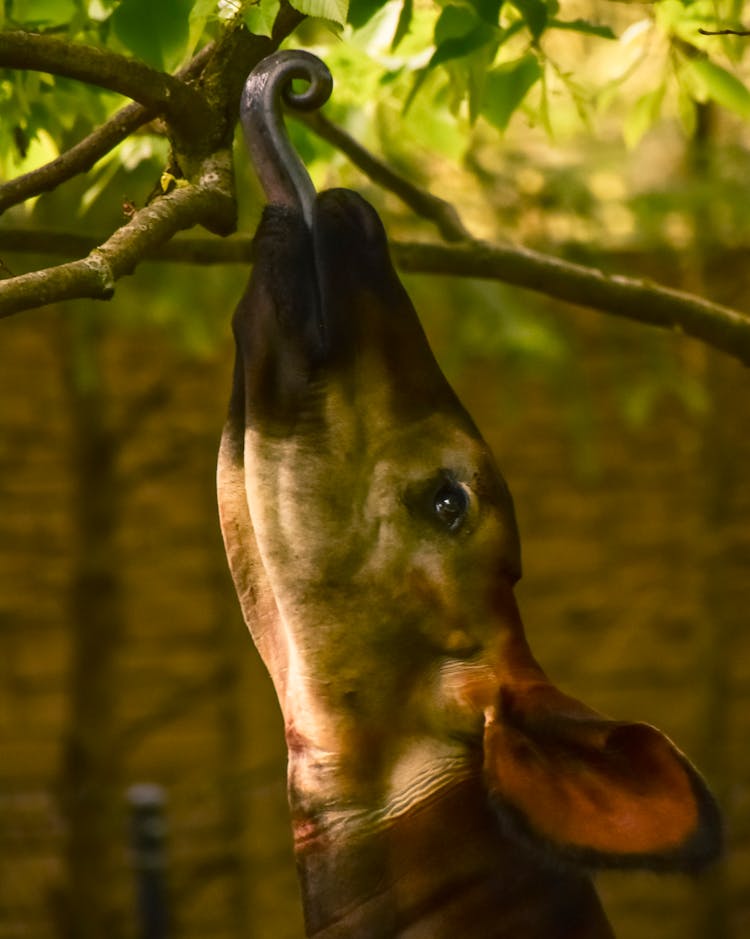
point(439, 784)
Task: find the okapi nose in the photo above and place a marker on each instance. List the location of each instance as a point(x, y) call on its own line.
point(321, 300)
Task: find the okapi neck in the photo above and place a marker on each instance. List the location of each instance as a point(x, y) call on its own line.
point(441, 870)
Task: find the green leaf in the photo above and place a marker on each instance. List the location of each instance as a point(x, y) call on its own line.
point(719, 85)
point(155, 32)
point(259, 17)
point(362, 11)
point(461, 45)
point(583, 26)
point(201, 13)
point(458, 31)
point(506, 88)
point(454, 22)
point(334, 10)
point(488, 10)
point(642, 116)
point(43, 12)
point(535, 14)
point(404, 22)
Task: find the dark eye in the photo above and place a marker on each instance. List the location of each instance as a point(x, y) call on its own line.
point(451, 504)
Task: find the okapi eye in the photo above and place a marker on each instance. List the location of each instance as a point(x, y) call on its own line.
point(451, 504)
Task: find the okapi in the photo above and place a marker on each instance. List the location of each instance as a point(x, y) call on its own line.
point(440, 786)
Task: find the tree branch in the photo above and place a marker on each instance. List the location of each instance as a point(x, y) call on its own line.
point(643, 301)
point(185, 108)
point(83, 155)
point(209, 202)
point(78, 159)
point(423, 203)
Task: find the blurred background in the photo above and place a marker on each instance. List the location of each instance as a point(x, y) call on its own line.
point(124, 658)
point(124, 661)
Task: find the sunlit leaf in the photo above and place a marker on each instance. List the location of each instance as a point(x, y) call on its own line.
point(583, 26)
point(642, 116)
point(259, 17)
point(404, 22)
point(200, 14)
point(43, 12)
point(334, 10)
point(155, 32)
point(506, 88)
point(719, 85)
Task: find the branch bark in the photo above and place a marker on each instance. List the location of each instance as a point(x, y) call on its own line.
point(165, 94)
point(643, 301)
point(209, 202)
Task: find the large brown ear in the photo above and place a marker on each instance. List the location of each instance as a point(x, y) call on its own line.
point(595, 791)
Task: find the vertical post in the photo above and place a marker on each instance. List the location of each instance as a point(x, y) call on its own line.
point(148, 837)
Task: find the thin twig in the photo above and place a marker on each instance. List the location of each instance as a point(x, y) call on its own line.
point(423, 203)
point(83, 155)
point(724, 32)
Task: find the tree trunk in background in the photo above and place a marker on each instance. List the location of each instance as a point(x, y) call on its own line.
point(711, 902)
point(90, 784)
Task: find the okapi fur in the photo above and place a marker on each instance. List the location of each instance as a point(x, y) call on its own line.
point(440, 786)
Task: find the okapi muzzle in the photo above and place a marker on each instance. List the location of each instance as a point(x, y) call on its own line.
point(439, 784)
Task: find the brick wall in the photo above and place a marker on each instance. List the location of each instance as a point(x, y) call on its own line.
point(636, 554)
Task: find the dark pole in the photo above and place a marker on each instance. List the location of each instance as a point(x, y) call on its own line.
point(148, 831)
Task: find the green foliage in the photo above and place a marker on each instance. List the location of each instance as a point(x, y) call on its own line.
point(710, 81)
point(449, 91)
point(259, 17)
point(493, 59)
point(507, 86)
point(154, 32)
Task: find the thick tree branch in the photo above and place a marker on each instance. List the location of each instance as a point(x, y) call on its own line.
point(423, 203)
point(184, 107)
point(644, 301)
point(209, 202)
point(83, 155)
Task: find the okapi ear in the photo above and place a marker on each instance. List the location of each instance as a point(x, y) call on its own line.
point(597, 792)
